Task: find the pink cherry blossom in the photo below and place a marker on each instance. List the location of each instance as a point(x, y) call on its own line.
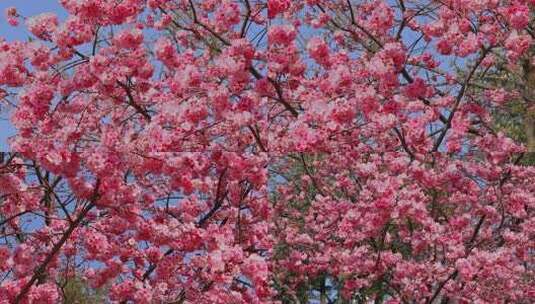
point(276, 7)
point(43, 25)
point(12, 16)
point(518, 15)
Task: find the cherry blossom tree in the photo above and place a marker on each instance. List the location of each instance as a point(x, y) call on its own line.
point(270, 151)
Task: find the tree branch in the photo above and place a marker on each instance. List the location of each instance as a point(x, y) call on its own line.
point(132, 103)
point(39, 271)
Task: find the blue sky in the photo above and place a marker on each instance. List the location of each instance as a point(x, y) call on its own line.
point(26, 8)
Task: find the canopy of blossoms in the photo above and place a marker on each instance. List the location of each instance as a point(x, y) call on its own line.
point(268, 151)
